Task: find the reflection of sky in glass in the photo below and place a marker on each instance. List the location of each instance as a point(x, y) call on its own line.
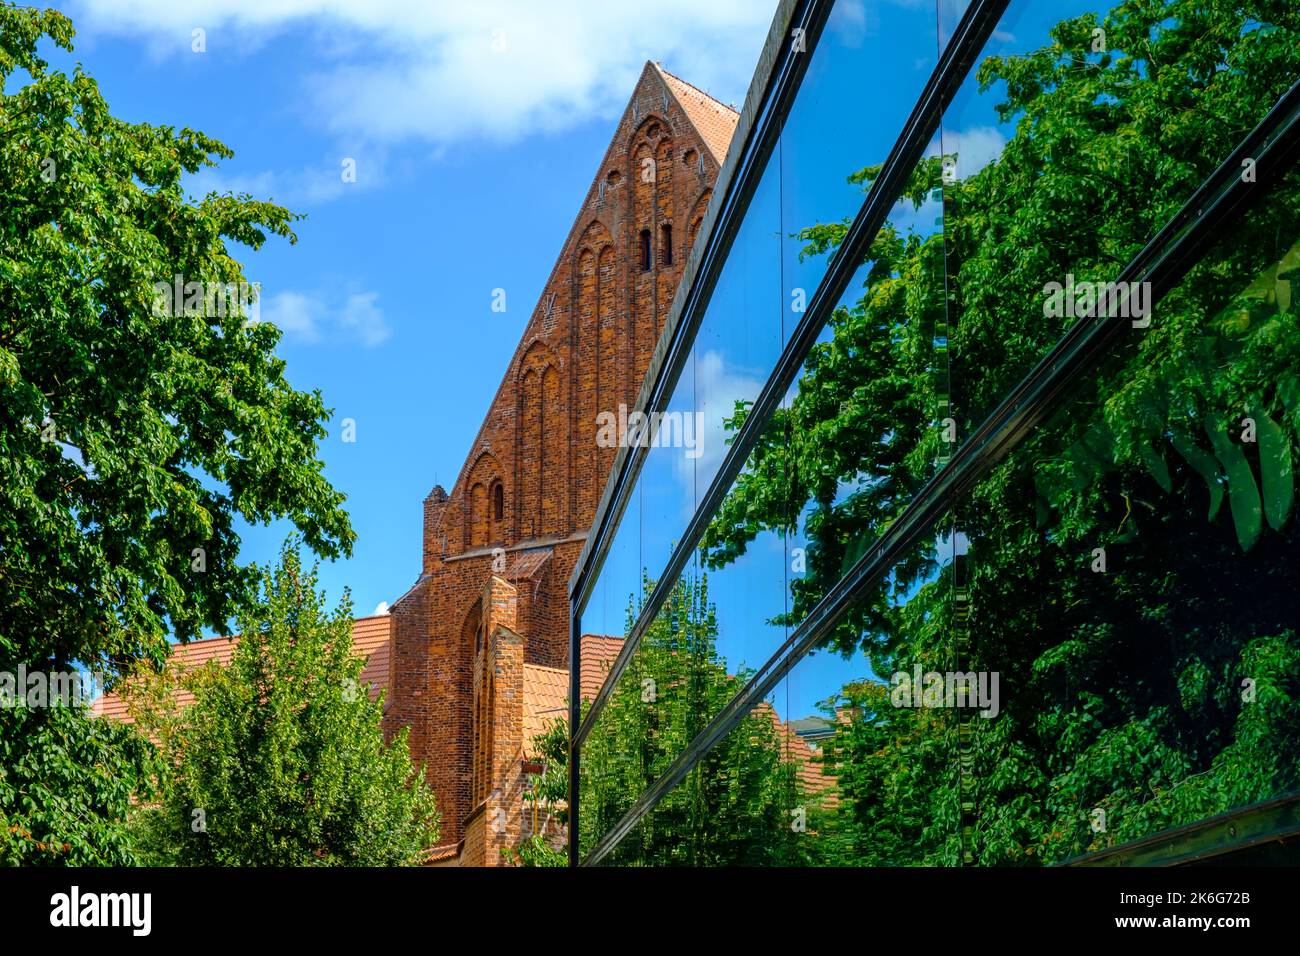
point(820, 675)
point(606, 609)
point(866, 74)
point(739, 339)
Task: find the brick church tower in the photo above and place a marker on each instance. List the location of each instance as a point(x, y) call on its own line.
point(479, 645)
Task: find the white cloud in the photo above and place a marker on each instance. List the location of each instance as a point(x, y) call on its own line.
point(444, 71)
point(361, 318)
point(295, 314)
point(850, 24)
point(717, 388)
point(975, 148)
point(380, 609)
point(310, 319)
point(298, 188)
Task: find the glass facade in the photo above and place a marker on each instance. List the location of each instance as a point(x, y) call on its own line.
point(985, 553)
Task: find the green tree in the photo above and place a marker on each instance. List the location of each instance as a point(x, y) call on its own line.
point(550, 792)
point(1121, 691)
point(281, 760)
point(66, 786)
point(735, 806)
point(132, 436)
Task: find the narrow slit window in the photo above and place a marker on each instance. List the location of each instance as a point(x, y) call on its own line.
point(498, 502)
point(646, 260)
point(666, 243)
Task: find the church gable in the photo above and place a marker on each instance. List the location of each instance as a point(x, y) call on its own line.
point(595, 325)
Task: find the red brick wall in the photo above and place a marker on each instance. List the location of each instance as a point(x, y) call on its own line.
point(585, 349)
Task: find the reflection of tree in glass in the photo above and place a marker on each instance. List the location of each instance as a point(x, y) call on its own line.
point(738, 806)
point(1123, 689)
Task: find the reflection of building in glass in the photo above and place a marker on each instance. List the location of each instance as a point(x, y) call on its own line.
point(913, 461)
point(812, 730)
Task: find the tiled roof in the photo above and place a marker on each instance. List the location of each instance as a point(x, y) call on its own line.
point(546, 689)
point(811, 773)
point(185, 657)
point(715, 122)
point(524, 564)
point(812, 727)
point(370, 639)
point(440, 854)
point(546, 695)
point(598, 653)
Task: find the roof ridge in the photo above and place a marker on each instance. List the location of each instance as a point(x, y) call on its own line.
point(704, 93)
point(234, 637)
point(203, 640)
point(544, 667)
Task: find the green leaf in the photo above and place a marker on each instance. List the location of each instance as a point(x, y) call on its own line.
point(1243, 493)
point(1206, 467)
point(1274, 470)
point(1288, 388)
point(1155, 463)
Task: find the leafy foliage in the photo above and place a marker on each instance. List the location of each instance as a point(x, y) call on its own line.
point(549, 790)
point(131, 438)
point(66, 784)
point(280, 760)
point(98, 526)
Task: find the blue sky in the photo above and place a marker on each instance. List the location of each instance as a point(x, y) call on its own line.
point(476, 130)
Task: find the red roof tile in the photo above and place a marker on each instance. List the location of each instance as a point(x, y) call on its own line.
point(715, 121)
point(546, 689)
point(370, 639)
point(546, 696)
point(598, 653)
point(812, 774)
point(525, 564)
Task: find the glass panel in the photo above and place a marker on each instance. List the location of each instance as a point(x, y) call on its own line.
point(1101, 642)
point(1133, 576)
point(733, 616)
point(771, 793)
point(668, 478)
point(863, 425)
point(834, 131)
point(1119, 591)
point(1073, 141)
point(605, 614)
point(740, 337)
